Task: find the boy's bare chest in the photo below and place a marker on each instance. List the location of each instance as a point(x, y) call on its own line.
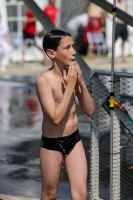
point(58, 89)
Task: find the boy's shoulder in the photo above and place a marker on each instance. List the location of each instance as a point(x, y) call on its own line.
point(42, 78)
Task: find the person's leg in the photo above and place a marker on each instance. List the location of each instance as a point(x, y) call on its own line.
point(44, 55)
point(30, 36)
point(124, 36)
point(6, 49)
point(117, 33)
point(76, 166)
point(123, 51)
point(1, 55)
point(50, 162)
point(91, 52)
point(92, 46)
point(25, 36)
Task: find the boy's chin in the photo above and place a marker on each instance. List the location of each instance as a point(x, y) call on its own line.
point(72, 62)
point(67, 65)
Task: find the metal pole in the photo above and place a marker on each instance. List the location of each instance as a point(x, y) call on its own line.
point(113, 48)
point(112, 111)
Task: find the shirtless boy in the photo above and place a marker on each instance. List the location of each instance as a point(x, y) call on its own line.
point(56, 91)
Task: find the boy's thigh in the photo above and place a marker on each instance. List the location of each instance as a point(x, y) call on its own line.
point(50, 163)
point(76, 166)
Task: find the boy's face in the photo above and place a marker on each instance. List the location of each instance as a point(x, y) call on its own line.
point(65, 53)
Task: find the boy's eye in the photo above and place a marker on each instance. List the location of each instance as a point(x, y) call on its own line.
point(74, 46)
point(67, 47)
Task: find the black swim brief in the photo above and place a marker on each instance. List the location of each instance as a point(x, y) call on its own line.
point(62, 144)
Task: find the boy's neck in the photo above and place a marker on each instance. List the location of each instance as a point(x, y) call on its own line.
point(58, 70)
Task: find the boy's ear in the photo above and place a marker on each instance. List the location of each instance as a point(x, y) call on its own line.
point(50, 53)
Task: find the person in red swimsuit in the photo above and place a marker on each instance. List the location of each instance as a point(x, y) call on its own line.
point(29, 31)
point(29, 28)
point(96, 21)
point(51, 11)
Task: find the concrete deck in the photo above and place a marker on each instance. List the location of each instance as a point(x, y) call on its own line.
point(105, 64)
point(26, 69)
point(95, 64)
point(8, 197)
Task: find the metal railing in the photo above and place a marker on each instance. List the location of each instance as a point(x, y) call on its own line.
point(122, 154)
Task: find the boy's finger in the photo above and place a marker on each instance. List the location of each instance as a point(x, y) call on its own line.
point(71, 69)
point(64, 73)
point(67, 70)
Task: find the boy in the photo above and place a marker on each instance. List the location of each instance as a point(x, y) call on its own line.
point(56, 91)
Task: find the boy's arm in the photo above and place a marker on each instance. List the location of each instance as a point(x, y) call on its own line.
point(46, 99)
point(84, 97)
point(28, 20)
point(85, 100)
point(8, 38)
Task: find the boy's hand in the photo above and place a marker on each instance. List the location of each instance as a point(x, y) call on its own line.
point(70, 77)
point(80, 79)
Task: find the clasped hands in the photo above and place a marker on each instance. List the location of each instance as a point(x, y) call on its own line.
point(74, 71)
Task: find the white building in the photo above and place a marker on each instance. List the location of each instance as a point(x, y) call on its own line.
point(13, 11)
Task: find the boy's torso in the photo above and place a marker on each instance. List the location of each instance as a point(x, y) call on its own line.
point(70, 121)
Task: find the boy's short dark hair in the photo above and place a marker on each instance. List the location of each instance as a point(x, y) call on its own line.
point(52, 39)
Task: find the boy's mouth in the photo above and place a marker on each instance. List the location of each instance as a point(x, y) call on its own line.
point(73, 60)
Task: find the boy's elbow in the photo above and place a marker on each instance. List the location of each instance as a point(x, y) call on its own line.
point(55, 119)
point(91, 112)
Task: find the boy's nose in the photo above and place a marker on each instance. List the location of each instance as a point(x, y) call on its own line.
point(74, 52)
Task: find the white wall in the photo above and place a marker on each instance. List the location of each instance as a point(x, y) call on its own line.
point(3, 10)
